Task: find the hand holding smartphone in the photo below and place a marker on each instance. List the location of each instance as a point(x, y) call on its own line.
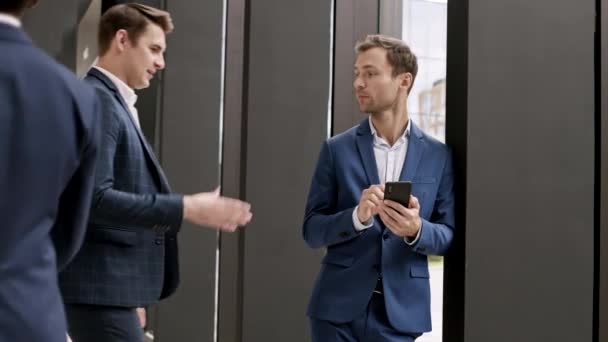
point(398, 192)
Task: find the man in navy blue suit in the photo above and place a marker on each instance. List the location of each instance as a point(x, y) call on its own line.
point(48, 143)
point(374, 279)
point(129, 258)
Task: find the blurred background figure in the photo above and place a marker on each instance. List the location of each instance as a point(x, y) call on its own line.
point(48, 141)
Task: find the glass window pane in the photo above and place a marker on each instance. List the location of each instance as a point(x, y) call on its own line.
point(423, 26)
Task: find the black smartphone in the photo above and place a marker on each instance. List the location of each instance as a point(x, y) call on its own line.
point(399, 192)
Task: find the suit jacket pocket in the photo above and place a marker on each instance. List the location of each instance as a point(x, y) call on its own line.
point(419, 272)
point(338, 259)
point(112, 235)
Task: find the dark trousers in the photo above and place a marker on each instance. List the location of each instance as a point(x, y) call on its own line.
point(96, 323)
point(372, 326)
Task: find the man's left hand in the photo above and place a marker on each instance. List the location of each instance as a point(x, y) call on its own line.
point(402, 221)
point(141, 313)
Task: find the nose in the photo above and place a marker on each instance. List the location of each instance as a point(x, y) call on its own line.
point(358, 83)
point(160, 63)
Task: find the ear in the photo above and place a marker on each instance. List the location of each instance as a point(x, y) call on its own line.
point(31, 3)
point(121, 39)
point(406, 81)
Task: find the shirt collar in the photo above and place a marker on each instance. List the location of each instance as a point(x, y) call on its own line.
point(125, 91)
point(380, 140)
point(9, 20)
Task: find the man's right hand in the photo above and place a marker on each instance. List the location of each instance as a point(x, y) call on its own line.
point(371, 199)
point(211, 209)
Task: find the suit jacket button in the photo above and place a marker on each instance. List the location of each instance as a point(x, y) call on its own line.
point(158, 241)
point(385, 236)
point(344, 234)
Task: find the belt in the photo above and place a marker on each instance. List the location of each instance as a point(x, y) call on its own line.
point(379, 290)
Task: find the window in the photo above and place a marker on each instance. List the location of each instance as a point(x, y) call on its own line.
point(422, 24)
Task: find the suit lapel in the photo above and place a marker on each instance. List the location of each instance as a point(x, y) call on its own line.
point(415, 149)
point(163, 182)
point(365, 146)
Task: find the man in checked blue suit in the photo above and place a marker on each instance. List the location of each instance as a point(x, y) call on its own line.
point(374, 280)
point(129, 258)
point(49, 139)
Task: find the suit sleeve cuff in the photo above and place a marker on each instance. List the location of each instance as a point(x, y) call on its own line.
point(361, 226)
point(173, 214)
point(411, 241)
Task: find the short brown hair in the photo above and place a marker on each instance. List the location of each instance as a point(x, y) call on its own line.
point(398, 53)
point(15, 7)
point(12, 6)
point(134, 18)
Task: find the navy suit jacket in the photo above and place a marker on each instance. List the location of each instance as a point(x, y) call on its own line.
point(129, 257)
point(48, 141)
point(354, 260)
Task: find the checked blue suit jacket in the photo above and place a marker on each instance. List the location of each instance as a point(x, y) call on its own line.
point(355, 260)
point(129, 257)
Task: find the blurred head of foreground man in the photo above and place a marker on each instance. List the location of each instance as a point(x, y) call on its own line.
point(48, 143)
point(374, 280)
point(129, 258)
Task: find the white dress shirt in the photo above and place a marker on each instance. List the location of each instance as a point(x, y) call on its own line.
point(9, 20)
point(125, 91)
point(389, 161)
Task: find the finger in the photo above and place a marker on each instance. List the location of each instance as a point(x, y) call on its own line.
point(246, 205)
point(375, 210)
point(395, 206)
point(235, 205)
point(236, 202)
point(376, 199)
point(141, 313)
point(368, 205)
point(244, 219)
point(409, 215)
point(378, 191)
point(365, 192)
point(393, 214)
point(229, 228)
point(380, 186)
point(388, 221)
point(414, 204)
point(374, 189)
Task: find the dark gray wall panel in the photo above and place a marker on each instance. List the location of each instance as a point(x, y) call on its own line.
point(52, 26)
point(287, 121)
point(355, 19)
point(189, 147)
point(602, 177)
point(530, 163)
